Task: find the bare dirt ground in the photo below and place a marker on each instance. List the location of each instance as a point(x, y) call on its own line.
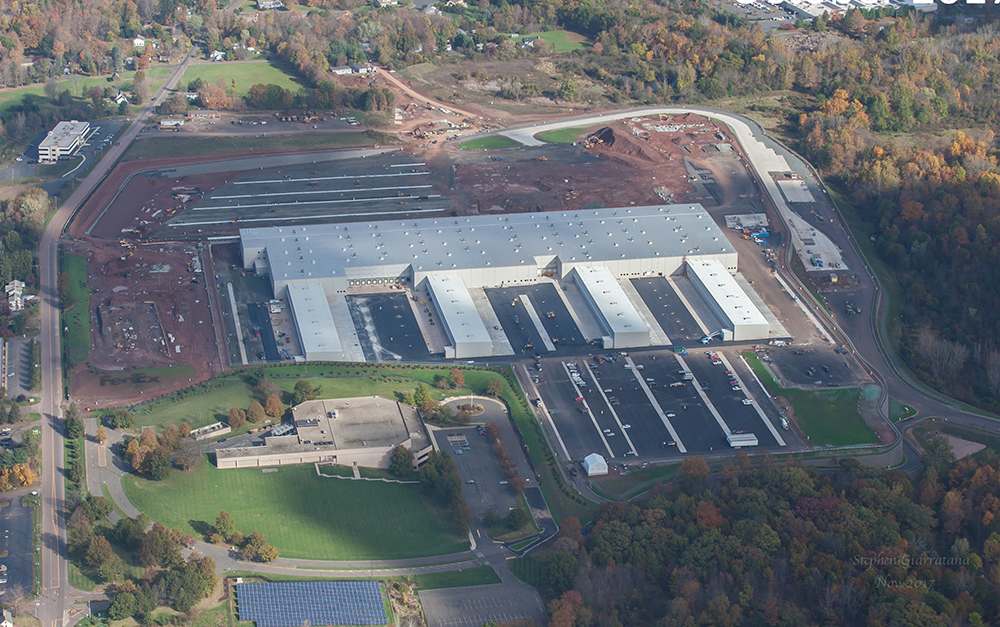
point(149, 310)
point(633, 162)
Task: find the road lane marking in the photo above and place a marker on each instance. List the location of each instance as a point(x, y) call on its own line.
point(656, 406)
point(589, 413)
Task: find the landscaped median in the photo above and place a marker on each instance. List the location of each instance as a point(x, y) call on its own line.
point(490, 142)
point(74, 300)
point(827, 417)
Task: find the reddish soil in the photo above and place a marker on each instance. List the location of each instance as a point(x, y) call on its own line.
point(142, 309)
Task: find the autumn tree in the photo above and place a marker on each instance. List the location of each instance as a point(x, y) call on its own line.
point(237, 418)
point(256, 413)
point(274, 408)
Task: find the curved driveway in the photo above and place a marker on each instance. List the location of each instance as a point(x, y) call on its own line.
point(864, 334)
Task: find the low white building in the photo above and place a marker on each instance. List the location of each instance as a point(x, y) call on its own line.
point(459, 317)
point(15, 295)
point(314, 322)
point(63, 141)
point(622, 324)
point(739, 315)
point(341, 70)
point(595, 465)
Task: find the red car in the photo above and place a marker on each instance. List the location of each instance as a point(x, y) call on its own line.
point(578, 399)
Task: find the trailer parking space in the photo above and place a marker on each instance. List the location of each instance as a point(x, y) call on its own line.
point(636, 397)
point(386, 327)
point(521, 318)
point(676, 321)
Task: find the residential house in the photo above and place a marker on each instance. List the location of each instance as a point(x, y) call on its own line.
point(139, 42)
point(529, 42)
point(265, 5)
point(15, 295)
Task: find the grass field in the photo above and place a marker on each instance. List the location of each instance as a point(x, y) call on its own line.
point(899, 411)
point(245, 73)
point(828, 417)
point(562, 136)
point(560, 40)
point(192, 146)
point(77, 86)
point(303, 515)
point(617, 486)
point(205, 405)
point(476, 576)
point(77, 318)
point(527, 569)
point(491, 142)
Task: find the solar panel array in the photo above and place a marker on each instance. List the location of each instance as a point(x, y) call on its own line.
point(311, 603)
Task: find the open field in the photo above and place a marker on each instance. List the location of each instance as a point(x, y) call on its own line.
point(560, 40)
point(169, 147)
point(245, 73)
point(827, 417)
point(492, 142)
point(77, 85)
point(562, 136)
point(899, 411)
point(303, 515)
point(617, 486)
point(77, 318)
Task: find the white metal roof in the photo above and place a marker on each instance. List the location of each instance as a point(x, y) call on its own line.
point(453, 300)
point(727, 293)
point(594, 460)
point(65, 134)
point(442, 244)
point(611, 300)
point(317, 331)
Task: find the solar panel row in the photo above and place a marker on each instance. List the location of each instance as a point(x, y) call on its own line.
point(315, 603)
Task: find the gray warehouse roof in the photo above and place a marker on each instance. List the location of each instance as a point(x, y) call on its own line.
point(441, 244)
point(314, 320)
point(610, 299)
point(727, 293)
point(453, 300)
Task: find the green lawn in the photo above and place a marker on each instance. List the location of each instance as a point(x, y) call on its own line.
point(560, 40)
point(899, 411)
point(491, 142)
point(616, 486)
point(77, 318)
point(475, 576)
point(303, 515)
point(78, 85)
point(562, 136)
point(527, 569)
point(828, 417)
point(245, 73)
point(160, 147)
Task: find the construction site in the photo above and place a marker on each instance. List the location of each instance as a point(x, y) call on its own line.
point(172, 288)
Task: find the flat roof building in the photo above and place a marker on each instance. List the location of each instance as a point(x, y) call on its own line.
point(457, 313)
point(314, 322)
point(343, 431)
point(486, 251)
point(739, 315)
point(63, 141)
point(621, 322)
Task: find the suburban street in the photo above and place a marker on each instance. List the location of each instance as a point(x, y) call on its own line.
point(55, 605)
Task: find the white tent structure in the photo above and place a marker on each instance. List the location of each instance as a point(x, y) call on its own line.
point(595, 465)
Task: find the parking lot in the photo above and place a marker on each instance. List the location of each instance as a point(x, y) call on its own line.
point(350, 189)
point(522, 310)
point(655, 404)
point(671, 314)
point(15, 521)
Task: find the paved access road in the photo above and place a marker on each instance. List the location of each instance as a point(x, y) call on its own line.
point(863, 333)
point(55, 602)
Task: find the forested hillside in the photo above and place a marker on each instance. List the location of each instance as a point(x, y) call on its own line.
point(781, 544)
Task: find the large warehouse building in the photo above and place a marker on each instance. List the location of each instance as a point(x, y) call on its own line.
point(449, 256)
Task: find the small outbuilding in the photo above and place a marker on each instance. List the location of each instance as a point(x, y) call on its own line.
point(594, 465)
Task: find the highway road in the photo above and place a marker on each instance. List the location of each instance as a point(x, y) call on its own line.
point(864, 334)
point(56, 597)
